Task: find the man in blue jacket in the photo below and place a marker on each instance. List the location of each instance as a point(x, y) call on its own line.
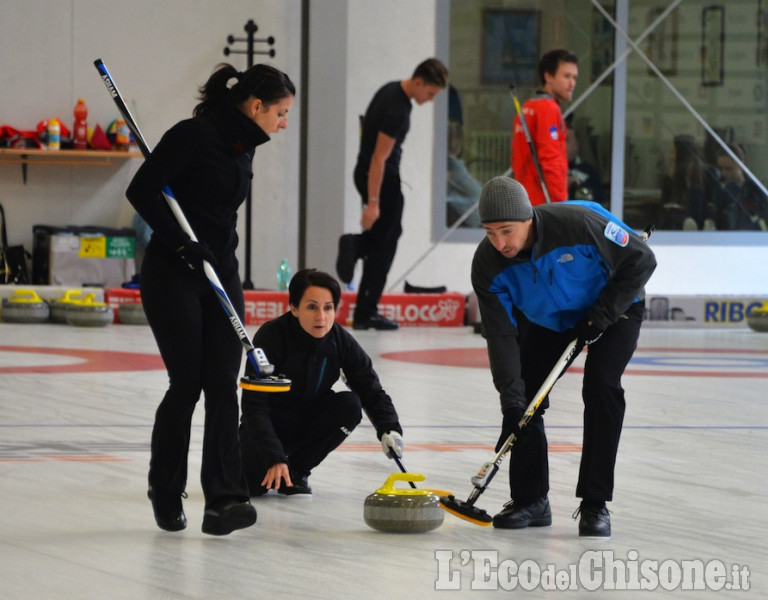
point(544, 276)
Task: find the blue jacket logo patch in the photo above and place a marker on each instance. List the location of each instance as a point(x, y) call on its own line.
point(554, 134)
point(616, 234)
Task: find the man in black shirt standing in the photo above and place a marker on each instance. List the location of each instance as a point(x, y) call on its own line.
point(377, 179)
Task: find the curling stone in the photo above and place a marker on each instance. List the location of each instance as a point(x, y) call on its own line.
point(132, 313)
point(757, 318)
point(59, 306)
point(408, 510)
point(89, 313)
point(25, 306)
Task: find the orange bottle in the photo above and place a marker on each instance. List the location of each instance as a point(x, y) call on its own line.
point(80, 130)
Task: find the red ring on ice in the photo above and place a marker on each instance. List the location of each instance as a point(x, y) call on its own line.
point(478, 358)
point(89, 361)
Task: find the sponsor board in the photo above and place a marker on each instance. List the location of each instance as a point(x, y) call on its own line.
point(700, 311)
point(409, 310)
point(114, 297)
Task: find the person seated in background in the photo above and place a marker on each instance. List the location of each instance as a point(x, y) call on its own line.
point(462, 192)
point(583, 178)
point(740, 203)
point(285, 435)
point(462, 189)
point(683, 196)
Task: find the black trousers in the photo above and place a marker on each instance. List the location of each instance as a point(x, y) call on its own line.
point(604, 407)
point(378, 245)
point(307, 436)
point(201, 353)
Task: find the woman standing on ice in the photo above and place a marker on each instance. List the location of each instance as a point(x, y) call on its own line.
point(207, 162)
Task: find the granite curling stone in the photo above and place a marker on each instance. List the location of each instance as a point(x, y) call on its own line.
point(59, 306)
point(396, 510)
point(89, 313)
point(25, 306)
point(757, 318)
point(132, 313)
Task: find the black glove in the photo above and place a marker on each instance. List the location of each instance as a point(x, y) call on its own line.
point(587, 332)
point(194, 253)
point(510, 425)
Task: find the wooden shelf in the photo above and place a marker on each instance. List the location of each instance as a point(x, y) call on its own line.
point(35, 156)
point(64, 157)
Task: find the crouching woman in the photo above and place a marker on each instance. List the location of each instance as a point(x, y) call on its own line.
point(285, 435)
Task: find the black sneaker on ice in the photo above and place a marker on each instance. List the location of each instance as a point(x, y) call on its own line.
point(517, 516)
point(300, 486)
point(595, 522)
point(231, 515)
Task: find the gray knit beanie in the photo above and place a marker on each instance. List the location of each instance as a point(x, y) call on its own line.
point(504, 199)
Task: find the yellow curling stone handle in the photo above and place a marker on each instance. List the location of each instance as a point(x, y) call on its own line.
point(25, 296)
point(88, 299)
point(389, 485)
point(71, 295)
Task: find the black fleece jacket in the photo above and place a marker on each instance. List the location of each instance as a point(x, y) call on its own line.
point(313, 366)
point(206, 161)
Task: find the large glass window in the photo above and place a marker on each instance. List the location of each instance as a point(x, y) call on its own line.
point(685, 146)
point(696, 145)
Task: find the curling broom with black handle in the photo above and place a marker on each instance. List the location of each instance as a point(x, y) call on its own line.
point(466, 509)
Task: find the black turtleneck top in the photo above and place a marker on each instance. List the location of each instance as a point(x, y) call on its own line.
point(313, 366)
point(206, 161)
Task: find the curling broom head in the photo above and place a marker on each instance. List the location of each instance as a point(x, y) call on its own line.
point(465, 511)
point(273, 383)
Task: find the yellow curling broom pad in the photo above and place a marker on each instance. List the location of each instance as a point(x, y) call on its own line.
point(464, 511)
point(266, 384)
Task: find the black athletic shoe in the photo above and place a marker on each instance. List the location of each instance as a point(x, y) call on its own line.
point(258, 492)
point(595, 522)
point(513, 516)
point(375, 322)
point(347, 257)
point(225, 519)
point(169, 513)
point(300, 486)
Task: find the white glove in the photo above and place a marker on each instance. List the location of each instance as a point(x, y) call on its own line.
point(392, 443)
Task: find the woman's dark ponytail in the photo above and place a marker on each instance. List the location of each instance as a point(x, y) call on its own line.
point(260, 81)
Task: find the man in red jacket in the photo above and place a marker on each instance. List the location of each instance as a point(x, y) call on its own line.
point(558, 71)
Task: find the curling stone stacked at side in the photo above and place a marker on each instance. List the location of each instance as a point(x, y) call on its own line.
point(398, 510)
point(89, 313)
point(132, 313)
point(25, 306)
point(59, 306)
point(757, 318)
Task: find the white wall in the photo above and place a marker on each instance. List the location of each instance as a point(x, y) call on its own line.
point(706, 270)
point(159, 52)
